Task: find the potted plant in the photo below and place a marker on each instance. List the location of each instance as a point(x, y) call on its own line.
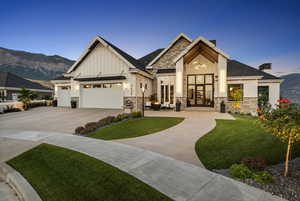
point(73, 104)
point(156, 106)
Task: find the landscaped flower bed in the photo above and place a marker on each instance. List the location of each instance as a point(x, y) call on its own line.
point(285, 187)
point(92, 126)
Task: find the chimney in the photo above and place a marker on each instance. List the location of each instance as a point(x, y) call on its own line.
point(214, 42)
point(266, 67)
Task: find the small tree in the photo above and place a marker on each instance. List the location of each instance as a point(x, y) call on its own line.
point(283, 122)
point(25, 97)
point(237, 96)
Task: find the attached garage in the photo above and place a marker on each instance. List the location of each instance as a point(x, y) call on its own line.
point(108, 96)
point(63, 96)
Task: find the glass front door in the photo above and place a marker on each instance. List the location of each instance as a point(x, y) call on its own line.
point(200, 90)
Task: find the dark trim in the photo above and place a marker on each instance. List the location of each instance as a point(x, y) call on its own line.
point(166, 70)
point(101, 78)
point(204, 94)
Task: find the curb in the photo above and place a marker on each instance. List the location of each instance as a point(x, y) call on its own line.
point(19, 184)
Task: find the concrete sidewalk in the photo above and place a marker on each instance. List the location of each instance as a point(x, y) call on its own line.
point(179, 141)
point(179, 180)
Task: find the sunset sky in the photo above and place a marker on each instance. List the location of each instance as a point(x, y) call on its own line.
point(252, 32)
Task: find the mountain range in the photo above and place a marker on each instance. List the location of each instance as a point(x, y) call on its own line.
point(290, 87)
point(31, 65)
point(42, 67)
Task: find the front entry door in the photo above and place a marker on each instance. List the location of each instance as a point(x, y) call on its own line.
point(200, 89)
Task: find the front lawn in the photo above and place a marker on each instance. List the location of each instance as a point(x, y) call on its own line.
point(232, 140)
point(135, 127)
point(61, 174)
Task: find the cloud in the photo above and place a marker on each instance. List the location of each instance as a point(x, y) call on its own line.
point(283, 64)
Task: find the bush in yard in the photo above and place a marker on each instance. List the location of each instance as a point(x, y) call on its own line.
point(254, 163)
point(263, 177)
point(283, 122)
point(79, 130)
point(25, 97)
point(136, 114)
point(240, 171)
point(91, 126)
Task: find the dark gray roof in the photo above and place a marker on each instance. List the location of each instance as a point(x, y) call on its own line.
point(236, 68)
point(11, 80)
point(166, 70)
point(101, 78)
point(145, 60)
point(62, 78)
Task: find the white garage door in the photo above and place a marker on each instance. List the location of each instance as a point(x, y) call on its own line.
point(111, 98)
point(63, 97)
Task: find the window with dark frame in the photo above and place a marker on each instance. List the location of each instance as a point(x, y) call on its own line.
point(263, 95)
point(235, 88)
point(171, 94)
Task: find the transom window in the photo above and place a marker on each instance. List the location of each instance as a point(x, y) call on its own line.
point(105, 85)
point(235, 92)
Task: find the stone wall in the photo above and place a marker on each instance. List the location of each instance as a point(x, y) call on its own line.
point(136, 103)
point(166, 60)
point(248, 105)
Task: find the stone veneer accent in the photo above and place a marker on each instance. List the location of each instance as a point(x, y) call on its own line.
point(166, 60)
point(248, 105)
point(137, 103)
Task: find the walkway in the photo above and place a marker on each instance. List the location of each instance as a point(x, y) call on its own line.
point(6, 192)
point(179, 180)
point(179, 141)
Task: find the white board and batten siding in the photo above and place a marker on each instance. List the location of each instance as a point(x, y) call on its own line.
point(101, 62)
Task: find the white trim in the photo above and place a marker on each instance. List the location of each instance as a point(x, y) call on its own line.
point(271, 81)
point(60, 81)
point(19, 89)
point(97, 38)
point(167, 48)
point(143, 73)
point(245, 78)
point(207, 42)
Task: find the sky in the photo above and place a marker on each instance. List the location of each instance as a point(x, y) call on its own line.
point(253, 32)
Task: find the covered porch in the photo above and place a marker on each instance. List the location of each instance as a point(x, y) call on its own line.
point(201, 75)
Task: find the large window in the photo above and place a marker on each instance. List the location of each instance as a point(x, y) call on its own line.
point(263, 95)
point(235, 92)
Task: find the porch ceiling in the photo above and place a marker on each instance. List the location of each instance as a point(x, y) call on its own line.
point(203, 49)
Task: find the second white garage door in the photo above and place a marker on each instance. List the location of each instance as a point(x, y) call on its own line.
point(63, 97)
point(111, 98)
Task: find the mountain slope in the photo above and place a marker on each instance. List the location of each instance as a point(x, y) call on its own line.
point(290, 88)
point(33, 66)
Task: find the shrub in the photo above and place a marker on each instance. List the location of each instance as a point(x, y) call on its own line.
point(136, 114)
point(37, 104)
point(11, 109)
point(263, 177)
point(91, 126)
point(240, 171)
point(79, 130)
point(254, 163)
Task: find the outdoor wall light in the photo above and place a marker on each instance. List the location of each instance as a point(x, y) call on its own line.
point(126, 86)
point(76, 87)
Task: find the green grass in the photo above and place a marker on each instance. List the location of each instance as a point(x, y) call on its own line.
point(135, 127)
point(60, 174)
point(232, 140)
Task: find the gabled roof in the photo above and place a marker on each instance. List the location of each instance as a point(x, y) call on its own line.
point(9, 80)
point(236, 68)
point(131, 61)
point(181, 35)
point(195, 42)
point(145, 60)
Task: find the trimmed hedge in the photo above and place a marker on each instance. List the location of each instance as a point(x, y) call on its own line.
point(92, 126)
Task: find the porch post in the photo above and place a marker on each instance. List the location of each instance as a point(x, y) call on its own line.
point(179, 79)
point(222, 76)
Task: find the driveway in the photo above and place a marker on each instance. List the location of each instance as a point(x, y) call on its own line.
point(55, 119)
point(179, 141)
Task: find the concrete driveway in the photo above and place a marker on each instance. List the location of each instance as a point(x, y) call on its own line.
point(179, 141)
point(55, 119)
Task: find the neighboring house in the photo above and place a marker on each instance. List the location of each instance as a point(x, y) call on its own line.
point(193, 72)
point(11, 85)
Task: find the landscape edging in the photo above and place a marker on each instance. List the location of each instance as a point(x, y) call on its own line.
point(20, 185)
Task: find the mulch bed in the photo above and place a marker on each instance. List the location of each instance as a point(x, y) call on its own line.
point(285, 187)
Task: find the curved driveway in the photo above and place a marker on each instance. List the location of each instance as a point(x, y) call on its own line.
point(179, 141)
